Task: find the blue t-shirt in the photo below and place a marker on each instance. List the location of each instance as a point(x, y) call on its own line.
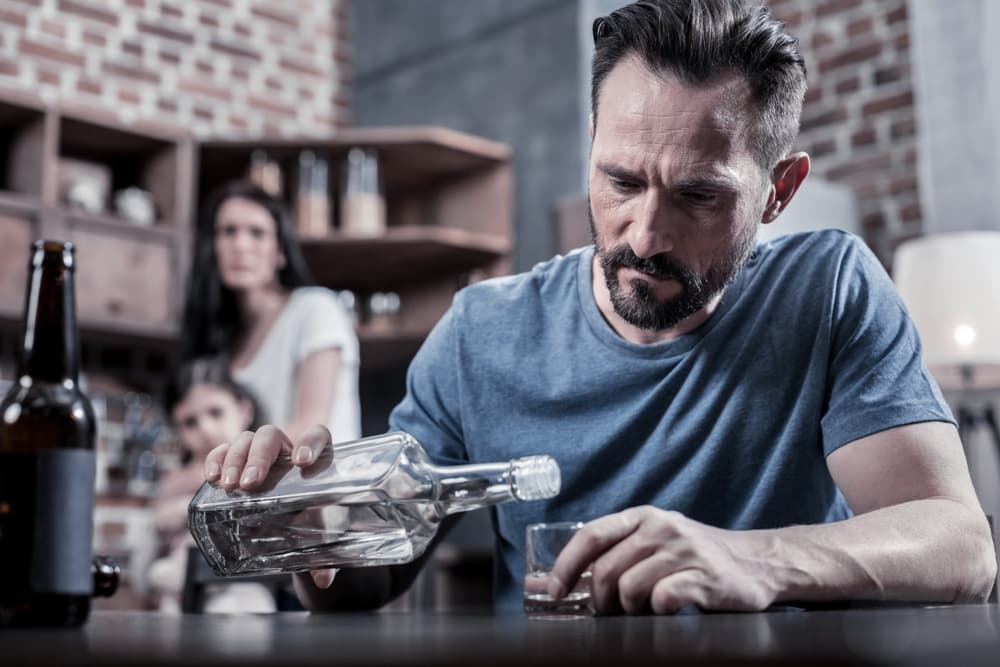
point(810, 349)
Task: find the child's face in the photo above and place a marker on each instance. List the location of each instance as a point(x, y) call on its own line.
point(208, 416)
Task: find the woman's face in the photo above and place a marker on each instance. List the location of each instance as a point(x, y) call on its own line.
point(208, 416)
point(246, 246)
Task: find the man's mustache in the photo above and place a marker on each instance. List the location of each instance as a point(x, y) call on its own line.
point(660, 266)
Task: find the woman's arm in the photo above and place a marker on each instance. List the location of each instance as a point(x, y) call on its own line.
point(315, 391)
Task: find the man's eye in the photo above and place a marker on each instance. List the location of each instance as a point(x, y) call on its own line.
point(699, 198)
point(623, 186)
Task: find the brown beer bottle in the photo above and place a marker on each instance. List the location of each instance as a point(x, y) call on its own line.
point(47, 458)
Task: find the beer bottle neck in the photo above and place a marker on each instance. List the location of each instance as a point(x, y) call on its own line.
point(51, 350)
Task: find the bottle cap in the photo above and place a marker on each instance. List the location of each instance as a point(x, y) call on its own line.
point(535, 477)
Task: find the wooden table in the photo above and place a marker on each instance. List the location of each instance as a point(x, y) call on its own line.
point(959, 635)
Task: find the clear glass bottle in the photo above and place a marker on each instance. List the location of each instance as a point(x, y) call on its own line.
point(373, 501)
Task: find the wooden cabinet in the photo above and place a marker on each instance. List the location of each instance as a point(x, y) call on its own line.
point(129, 276)
point(448, 202)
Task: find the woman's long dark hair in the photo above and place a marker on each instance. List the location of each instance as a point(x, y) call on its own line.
point(211, 311)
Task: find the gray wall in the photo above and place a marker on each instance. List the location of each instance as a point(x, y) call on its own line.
point(508, 70)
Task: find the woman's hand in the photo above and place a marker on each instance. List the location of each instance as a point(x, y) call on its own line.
point(245, 462)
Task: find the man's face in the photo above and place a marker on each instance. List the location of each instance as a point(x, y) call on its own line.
point(675, 195)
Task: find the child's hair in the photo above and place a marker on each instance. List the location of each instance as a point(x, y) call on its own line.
point(210, 371)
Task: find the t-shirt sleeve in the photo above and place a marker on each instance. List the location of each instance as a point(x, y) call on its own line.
point(325, 324)
point(877, 378)
point(431, 409)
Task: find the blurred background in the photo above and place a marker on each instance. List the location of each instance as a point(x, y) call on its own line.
point(117, 117)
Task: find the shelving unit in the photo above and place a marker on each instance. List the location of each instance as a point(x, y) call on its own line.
point(129, 277)
point(449, 199)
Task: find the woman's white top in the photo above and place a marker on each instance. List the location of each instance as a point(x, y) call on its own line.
point(312, 320)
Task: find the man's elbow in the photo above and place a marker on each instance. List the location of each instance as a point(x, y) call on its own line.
point(978, 570)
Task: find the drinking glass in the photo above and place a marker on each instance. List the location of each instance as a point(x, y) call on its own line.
point(543, 543)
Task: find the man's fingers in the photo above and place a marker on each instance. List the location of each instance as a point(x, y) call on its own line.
point(310, 444)
point(323, 578)
point(235, 457)
point(676, 591)
point(267, 443)
point(587, 545)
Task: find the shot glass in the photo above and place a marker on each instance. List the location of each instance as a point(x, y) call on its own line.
point(543, 542)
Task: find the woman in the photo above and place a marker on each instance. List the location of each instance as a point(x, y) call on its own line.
point(249, 302)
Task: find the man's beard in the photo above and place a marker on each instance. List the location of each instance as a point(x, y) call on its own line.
point(638, 306)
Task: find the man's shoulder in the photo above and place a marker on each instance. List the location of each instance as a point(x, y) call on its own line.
point(815, 244)
point(548, 281)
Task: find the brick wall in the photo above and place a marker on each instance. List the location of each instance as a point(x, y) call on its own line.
point(859, 121)
point(216, 67)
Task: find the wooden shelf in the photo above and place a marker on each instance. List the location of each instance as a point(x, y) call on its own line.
point(388, 349)
point(161, 231)
point(108, 331)
point(18, 204)
point(403, 255)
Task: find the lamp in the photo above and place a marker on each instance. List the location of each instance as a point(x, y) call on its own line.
point(950, 284)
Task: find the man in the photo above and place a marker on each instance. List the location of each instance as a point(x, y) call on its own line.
point(741, 424)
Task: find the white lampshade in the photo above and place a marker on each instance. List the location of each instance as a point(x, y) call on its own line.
point(951, 286)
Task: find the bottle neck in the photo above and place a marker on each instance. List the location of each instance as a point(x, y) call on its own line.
point(51, 350)
point(468, 487)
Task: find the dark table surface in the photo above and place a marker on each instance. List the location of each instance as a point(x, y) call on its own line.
point(959, 635)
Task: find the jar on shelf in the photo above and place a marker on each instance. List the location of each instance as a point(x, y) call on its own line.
point(265, 173)
point(312, 200)
point(362, 206)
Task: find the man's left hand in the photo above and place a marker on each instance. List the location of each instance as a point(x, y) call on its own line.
point(646, 559)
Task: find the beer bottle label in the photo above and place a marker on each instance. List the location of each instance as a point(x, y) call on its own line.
point(64, 522)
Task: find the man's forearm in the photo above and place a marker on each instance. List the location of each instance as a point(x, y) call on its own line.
point(928, 550)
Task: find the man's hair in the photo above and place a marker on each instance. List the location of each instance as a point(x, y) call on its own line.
point(699, 40)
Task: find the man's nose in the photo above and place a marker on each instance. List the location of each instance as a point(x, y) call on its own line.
point(650, 230)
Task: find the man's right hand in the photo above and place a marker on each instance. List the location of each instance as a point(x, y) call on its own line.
point(245, 462)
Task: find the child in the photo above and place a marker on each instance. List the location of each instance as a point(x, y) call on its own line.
point(206, 407)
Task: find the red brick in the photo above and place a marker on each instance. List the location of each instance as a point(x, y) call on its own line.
point(11, 17)
point(239, 121)
point(227, 4)
point(9, 67)
point(859, 166)
point(262, 103)
point(273, 83)
point(896, 15)
point(205, 67)
point(209, 21)
point(301, 67)
point(132, 48)
point(860, 27)
point(242, 29)
point(47, 76)
point(848, 85)
point(196, 87)
point(204, 113)
point(234, 50)
point(821, 148)
point(851, 56)
point(141, 4)
point(903, 128)
point(865, 137)
point(890, 74)
point(129, 96)
point(34, 48)
point(88, 11)
point(171, 57)
point(172, 11)
point(271, 14)
point(131, 72)
point(903, 184)
point(88, 86)
point(94, 39)
point(821, 119)
point(813, 95)
point(53, 28)
point(160, 30)
point(910, 212)
point(835, 7)
point(874, 220)
point(888, 103)
point(902, 42)
point(166, 105)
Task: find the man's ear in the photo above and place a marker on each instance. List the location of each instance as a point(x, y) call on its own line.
point(590, 126)
point(786, 177)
